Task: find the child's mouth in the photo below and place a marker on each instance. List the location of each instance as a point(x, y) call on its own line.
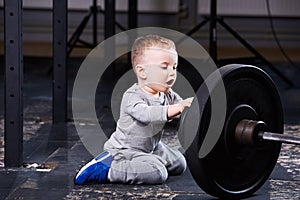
point(170, 82)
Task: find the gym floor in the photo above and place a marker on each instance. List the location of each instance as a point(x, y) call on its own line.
point(55, 156)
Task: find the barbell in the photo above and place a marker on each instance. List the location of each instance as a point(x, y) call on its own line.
point(247, 150)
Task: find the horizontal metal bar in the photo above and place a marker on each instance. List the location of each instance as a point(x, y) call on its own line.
point(284, 138)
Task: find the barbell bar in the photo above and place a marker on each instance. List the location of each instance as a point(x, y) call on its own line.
point(248, 147)
point(249, 132)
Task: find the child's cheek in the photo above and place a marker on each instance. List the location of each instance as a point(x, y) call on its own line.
point(162, 77)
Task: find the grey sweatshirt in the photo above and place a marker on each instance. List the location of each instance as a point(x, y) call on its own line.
point(142, 119)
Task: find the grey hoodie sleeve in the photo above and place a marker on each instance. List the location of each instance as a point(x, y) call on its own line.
point(141, 111)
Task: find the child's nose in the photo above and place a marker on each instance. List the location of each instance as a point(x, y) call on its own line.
point(172, 72)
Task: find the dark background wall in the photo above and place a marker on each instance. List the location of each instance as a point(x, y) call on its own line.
point(249, 18)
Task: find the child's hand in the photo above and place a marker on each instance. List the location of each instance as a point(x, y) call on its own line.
point(176, 109)
point(186, 102)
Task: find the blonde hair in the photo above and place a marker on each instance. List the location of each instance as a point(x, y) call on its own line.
point(142, 43)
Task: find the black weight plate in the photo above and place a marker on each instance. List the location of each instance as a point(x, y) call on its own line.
point(231, 170)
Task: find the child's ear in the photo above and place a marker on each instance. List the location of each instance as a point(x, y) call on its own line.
point(140, 71)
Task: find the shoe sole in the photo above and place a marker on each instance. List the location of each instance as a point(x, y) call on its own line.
point(84, 172)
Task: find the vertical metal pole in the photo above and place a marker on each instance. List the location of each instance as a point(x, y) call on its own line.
point(110, 18)
point(95, 14)
point(13, 83)
point(132, 23)
point(132, 14)
point(59, 61)
point(109, 30)
point(213, 30)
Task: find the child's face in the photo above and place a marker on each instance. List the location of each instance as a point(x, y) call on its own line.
point(160, 68)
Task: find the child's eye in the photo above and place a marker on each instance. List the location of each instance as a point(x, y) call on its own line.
point(164, 66)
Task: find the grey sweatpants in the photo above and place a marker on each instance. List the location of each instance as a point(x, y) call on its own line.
point(137, 167)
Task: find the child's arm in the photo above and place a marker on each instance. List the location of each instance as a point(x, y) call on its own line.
point(177, 108)
point(139, 109)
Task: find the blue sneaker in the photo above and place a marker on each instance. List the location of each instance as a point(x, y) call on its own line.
point(96, 170)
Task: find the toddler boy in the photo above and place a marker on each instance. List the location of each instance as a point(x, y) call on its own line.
point(134, 153)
